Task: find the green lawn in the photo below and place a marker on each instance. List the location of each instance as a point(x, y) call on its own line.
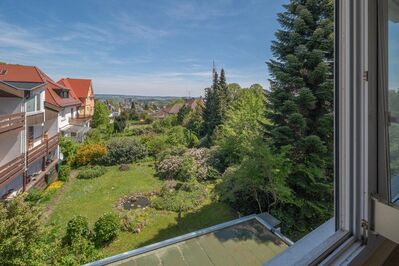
point(92, 198)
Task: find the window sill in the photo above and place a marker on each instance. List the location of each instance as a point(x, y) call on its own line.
point(313, 247)
point(34, 113)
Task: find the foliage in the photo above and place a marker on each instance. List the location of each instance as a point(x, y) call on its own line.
point(124, 150)
point(194, 121)
point(77, 228)
point(190, 196)
point(99, 135)
point(300, 106)
point(106, 229)
point(101, 114)
point(91, 172)
point(171, 137)
point(79, 252)
point(134, 221)
point(243, 124)
point(68, 148)
point(259, 182)
point(38, 196)
point(64, 172)
point(55, 185)
point(90, 154)
point(120, 122)
point(23, 239)
point(217, 101)
point(182, 114)
point(190, 164)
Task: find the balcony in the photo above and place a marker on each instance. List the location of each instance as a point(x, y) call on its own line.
point(12, 122)
point(11, 170)
point(35, 118)
point(53, 142)
point(42, 149)
point(81, 121)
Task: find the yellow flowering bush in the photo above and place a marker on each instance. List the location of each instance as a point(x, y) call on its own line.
point(55, 185)
point(90, 154)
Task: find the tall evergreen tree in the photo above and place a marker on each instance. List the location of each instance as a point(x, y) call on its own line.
point(217, 101)
point(211, 106)
point(300, 108)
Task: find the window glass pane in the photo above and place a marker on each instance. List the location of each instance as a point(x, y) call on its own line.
point(38, 103)
point(30, 105)
point(393, 96)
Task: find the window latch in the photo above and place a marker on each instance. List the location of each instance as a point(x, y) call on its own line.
point(366, 76)
point(365, 229)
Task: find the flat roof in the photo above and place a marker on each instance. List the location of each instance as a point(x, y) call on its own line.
point(246, 241)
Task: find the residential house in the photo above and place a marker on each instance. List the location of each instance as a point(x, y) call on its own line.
point(29, 136)
point(83, 89)
point(175, 108)
point(70, 124)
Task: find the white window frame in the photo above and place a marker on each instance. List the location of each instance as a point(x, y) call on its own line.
point(356, 139)
point(39, 96)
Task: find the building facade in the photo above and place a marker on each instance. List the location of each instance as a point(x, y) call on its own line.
point(83, 89)
point(29, 131)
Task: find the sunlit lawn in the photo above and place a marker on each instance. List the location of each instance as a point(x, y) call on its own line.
point(92, 198)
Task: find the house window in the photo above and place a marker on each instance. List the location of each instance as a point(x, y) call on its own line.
point(38, 102)
point(30, 105)
point(34, 103)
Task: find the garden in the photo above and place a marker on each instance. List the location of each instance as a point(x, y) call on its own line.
point(145, 184)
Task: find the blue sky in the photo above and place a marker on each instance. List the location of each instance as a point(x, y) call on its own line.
point(153, 47)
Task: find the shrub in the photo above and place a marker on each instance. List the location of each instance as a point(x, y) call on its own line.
point(77, 227)
point(189, 196)
point(135, 221)
point(169, 167)
point(36, 196)
point(185, 165)
point(89, 154)
point(124, 150)
point(106, 229)
point(68, 148)
point(91, 172)
point(64, 172)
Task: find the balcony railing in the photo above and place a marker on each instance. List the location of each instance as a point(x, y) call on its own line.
point(36, 153)
point(11, 169)
point(42, 149)
point(12, 122)
point(81, 121)
point(53, 142)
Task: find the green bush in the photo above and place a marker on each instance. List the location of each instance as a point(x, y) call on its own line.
point(64, 172)
point(190, 195)
point(135, 221)
point(124, 150)
point(36, 196)
point(106, 229)
point(68, 148)
point(91, 172)
point(77, 227)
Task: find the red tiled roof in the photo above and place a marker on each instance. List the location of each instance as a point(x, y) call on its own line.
point(53, 98)
point(79, 86)
point(20, 73)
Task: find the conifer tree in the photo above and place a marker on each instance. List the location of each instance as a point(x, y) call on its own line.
point(211, 106)
point(300, 108)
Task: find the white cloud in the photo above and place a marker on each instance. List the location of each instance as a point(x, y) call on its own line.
point(162, 84)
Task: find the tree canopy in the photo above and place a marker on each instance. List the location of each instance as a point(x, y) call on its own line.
point(300, 108)
point(101, 114)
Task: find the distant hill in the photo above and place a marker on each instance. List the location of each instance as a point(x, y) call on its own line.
point(137, 97)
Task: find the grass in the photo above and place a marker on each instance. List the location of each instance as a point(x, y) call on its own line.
point(92, 198)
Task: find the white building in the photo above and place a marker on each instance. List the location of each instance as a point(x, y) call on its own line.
point(29, 135)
